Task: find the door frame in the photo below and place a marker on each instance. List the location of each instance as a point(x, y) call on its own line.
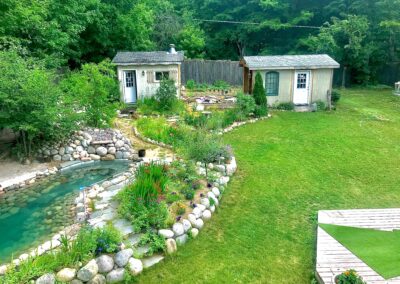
point(309, 87)
point(124, 83)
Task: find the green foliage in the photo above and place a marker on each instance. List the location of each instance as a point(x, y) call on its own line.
point(191, 40)
point(203, 147)
point(245, 104)
point(285, 106)
point(141, 201)
point(87, 244)
point(190, 84)
point(335, 96)
point(158, 129)
point(95, 91)
point(321, 106)
point(150, 106)
point(155, 241)
point(259, 97)
point(221, 85)
point(349, 277)
point(32, 104)
point(166, 94)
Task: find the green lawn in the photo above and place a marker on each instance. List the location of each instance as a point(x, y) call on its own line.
point(290, 167)
point(379, 249)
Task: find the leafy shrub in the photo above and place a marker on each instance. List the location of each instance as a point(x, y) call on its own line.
point(349, 277)
point(203, 147)
point(335, 96)
point(245, 104)
point(156, 242)
point(190, 84)
point(158, 129)
point(260, 111)
point(285, 106)
point(108, 239)
point(166, 94)
point(321, 106)
point(95, 91)
point(221, 85)
point(150, 106)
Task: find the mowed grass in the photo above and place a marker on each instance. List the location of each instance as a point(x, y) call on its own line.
point(290, 167)
point(379, 249)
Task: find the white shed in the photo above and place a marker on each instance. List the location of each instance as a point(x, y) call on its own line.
point(300, 79)
point(140, 73)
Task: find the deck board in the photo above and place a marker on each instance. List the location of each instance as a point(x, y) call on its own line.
point(333, 258)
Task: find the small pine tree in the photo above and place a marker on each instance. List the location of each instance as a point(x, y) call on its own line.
point(259, 96)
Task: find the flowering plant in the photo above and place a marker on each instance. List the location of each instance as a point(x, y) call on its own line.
point(349, 277)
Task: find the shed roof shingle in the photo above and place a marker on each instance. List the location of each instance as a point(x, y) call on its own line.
point(149, 57)
point(291, 62)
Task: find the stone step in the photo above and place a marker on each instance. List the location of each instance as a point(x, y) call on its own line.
point(152, 260)
point(124, 226)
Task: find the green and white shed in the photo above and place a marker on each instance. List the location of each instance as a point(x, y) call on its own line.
point(301, 79)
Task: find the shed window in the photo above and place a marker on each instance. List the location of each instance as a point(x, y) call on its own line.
point(161, 75)
point(272, 83)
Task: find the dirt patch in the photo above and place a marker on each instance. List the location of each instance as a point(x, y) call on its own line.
point(12, 169)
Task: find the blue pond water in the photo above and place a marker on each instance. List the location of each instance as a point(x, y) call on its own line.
point(30, 216)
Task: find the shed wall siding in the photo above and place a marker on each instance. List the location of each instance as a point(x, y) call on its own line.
point(320, 84)
point(146, 86)
point(285, 86)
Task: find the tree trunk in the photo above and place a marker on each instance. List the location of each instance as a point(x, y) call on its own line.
point(344, 77)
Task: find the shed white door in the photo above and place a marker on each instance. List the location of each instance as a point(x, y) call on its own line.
point(301, 90)
point(130, 86)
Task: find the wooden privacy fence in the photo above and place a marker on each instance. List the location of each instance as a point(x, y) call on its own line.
point(209, 71)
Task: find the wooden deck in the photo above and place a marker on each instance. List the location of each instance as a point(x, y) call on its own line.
point(333, 258)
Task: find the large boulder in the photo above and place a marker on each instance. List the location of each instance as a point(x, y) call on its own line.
point(66, 274)
point(87, 272)
point(91, 150)
point(181, 240)
point(105, 263)
point(108, 157)
point(116, 275)
point(66, 157)
point(94, 157)
point(119, 155)
point(135, 266)
point(101, 151)
point(48, 278)
point(122, 257)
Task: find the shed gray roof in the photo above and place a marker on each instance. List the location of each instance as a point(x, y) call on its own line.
point(151, 57)
point(290, 62)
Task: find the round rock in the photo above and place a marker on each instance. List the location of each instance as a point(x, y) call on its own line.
point(194, 232)
point(181, 240)
point(48, 278)
point(207, 215)
point(166, 233)
point(115, 276)
point(105, 263)
point(101, 151)
point(178, 229)
point(122, 257)
point(98, 279)
point(186, 225)
point(87, 272)
point(135, 266)
point(171, 246)
point(66, 274)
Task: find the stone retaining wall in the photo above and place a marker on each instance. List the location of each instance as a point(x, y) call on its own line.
point(90, 144)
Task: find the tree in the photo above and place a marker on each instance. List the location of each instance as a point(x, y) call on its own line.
point(191, 41)
point(260, 96)
point(346, 41)
point(94, 91)
point(31, 104)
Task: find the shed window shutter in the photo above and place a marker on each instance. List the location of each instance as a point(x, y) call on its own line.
point(150, 77)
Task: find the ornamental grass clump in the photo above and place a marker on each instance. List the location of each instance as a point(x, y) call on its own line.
point(142, 202)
